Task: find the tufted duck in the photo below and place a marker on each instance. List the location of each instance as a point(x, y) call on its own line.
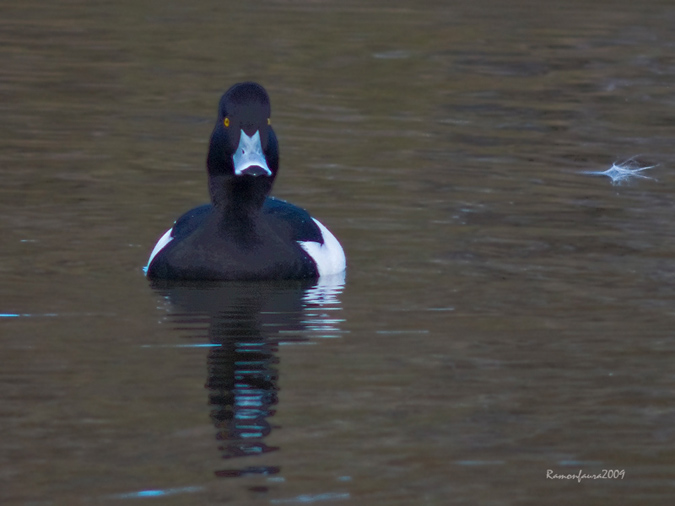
point(244, 234)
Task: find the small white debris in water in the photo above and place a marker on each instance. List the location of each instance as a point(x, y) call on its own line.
point(622, 172)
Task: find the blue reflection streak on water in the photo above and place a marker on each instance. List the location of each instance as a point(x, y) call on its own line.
point(26, 315)
point(328, 496)
point(157, 492)
point(580, 463)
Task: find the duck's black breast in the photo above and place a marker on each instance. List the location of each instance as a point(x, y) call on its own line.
point(201, 248)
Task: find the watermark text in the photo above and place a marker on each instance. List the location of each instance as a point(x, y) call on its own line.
point(605, 474)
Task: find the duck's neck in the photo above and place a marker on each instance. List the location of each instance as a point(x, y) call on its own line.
point(239, 200)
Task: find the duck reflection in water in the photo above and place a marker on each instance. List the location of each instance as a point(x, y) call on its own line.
point(245, 322)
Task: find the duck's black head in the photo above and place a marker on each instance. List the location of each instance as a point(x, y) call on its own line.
point(243, 157)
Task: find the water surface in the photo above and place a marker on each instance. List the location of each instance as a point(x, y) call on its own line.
point(504, 313)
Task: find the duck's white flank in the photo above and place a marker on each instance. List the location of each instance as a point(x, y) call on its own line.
point(163, 241)
point(329, 256)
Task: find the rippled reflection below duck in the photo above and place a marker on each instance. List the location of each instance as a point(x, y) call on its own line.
point(245, 322)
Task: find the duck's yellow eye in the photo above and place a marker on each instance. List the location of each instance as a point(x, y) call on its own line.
point(226, 122)
point(268, 121)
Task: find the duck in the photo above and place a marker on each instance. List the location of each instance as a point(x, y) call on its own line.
point(244, 233)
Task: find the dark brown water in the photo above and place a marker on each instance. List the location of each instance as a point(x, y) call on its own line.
point(504, 314)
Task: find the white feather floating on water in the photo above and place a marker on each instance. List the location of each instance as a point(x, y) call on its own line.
point(622, 172)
